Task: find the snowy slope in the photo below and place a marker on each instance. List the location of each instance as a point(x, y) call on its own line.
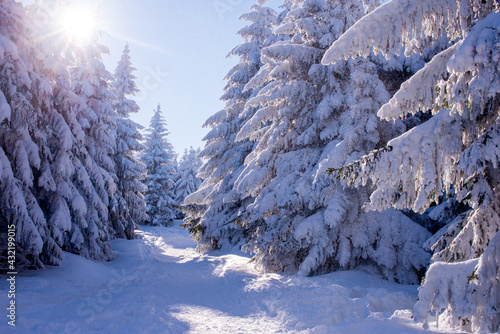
point(159, 284)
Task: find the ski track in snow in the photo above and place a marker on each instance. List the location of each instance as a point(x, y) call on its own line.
point(160, 284)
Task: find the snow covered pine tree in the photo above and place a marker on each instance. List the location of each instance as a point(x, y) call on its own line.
point(456, 152)
point(54, 191)
point(159, 158)
point(95, 170)
point(310, 117)
point(129, 170)
point(186, 181)
point(215, 209)
point(25, 111)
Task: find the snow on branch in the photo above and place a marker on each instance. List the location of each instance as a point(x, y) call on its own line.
point(483, 152)
point(413, 169)
point(420, 92)
point(410, 23)
point(350, 172)
point(5, 111)
point(463, 294)
point(293, 53)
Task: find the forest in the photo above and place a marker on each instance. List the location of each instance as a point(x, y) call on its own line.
point(355, 136)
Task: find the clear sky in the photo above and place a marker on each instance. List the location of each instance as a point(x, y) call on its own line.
point(179, 48)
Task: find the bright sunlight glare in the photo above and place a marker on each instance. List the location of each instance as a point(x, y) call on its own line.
point(78, 23)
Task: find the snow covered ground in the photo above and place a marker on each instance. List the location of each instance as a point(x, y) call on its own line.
point(159, 284)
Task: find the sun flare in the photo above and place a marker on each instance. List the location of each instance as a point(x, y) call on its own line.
point(78, 23)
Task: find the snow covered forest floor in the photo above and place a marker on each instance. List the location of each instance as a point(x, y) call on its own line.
point(159, 284)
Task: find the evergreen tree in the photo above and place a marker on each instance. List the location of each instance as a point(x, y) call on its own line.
point(23, 140)
point(186, 180)
point(48, 175)
point(310, 115)
point(454, 153)
point(130, 172)
point(56, 192)
point(78, 173)
point(159, 158)
point(95, 170)
point(215, 208)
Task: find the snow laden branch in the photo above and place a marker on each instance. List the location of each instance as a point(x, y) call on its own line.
point(350, 173)
point(414, 24)
point(420, 91)
point(390, 168)
point(470, 91)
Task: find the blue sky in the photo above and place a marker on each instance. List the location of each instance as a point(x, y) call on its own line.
point(179, 48)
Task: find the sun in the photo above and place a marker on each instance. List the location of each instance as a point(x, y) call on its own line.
point(78, 23)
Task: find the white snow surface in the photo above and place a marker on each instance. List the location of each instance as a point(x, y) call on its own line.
point(160, 284)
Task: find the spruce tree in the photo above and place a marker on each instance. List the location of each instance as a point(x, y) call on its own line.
point(79, 188)
point(215, 208)
point(309, 115)
point(186, 181)
point(23, 140)
point(159, 159)
point(94, 177)
point(130, 172)
point(454, 153)
point(45, 147)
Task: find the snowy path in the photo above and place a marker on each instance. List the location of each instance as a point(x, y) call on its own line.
point(159, 284)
